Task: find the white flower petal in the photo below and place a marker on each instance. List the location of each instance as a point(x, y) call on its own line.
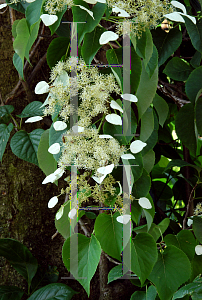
point(59, 125)
point(114, 119)
point(50, 178)
point(72, 213)
point(121, 190)
point(101, 1)
point(58, 173)
point(123, 219)
point(60, 213)
point(34, 119)
point(145, 203)
point(189, 222)
point(105, 136)
point(77, 128)
point(108, 36)
point(30, 1)
point(129, 97)
point(198, 250)
point(174, 16)
point(52, 202)
point(106, 170)
point(122, 12)
point(54, 149)
point(179, 5)
point(137, 146)
point(42, 87)
point(88, 11)
point(3, 5)
point(99, 179)
point(190, 17)
point(90, 1)
point(114, 105)
point(127, 156)
point(48, 20)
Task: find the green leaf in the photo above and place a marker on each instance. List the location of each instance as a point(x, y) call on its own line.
point(21, 40)
point(153, 62)
point(90, 215)
point(116, 131)
point(108, 231)
point(46, 161)
point(150, 294)
point(193, 289)
point(193, 84)
point(140, 43)
point(34, 29)
point(19, 257)
point(25, 145)
point(5, 112)
point(55, 26)
point(136, 211)
point(115, 57)
point(171, 270)
point(20, 6)
point(196, 266)
point(18, 64)
point(198, 114)
point(166, 43)
point(80, 15)
point(197, 227)
point(89, 252)
point(56, 50)
point(143, 255)
point(152, 140)
point(157, 230)
point(149, 160)
point(115, 273)
point(4, 137)
point(178, 69)
point(195, 33)
point(149, 51)
point(185, 127)
point(196, 60)
point(91, 44)
point(147, 124)
point(162, 108)
point(136, 166)
point(184, 240)
point(10, 293)
point(179, 163)
point(32, 109)
point(142, 186)
point(33, 12)
point(53, 291)
point(146, 90)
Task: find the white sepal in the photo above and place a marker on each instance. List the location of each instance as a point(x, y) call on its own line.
point(127, 156)
point(54, 149)
point(145, 203)
point(137, 146)
point(54, 176)
point(34, 119)
point(99, 179)
point(101, 1)
point(122, 12)
point(179, 5)
point(77, 128)
point(72, 213)
point(108, 36)
point(189, 222)
point(52, 202)
point(88, 11)
point(121, 190)
point(3, 5)
point(60, 213)
point(30, 1)
point(48, 20)
point(123, 219)
point(59, 125)
point(129, 97)
point(105, 136)
point(198, 250)
point(114, 119)
point(114, 105)
point(174, 16)
point(193, 19)
point(106, 170)
point(42, 87)
point(90, 1)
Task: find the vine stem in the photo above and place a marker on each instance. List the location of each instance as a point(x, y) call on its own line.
point(188, 205)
